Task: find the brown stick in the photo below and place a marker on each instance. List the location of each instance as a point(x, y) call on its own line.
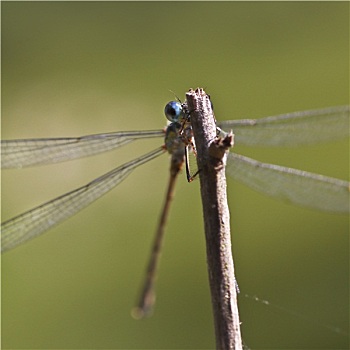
point(211, 158)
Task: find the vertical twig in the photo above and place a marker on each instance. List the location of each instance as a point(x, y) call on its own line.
point(211, 158)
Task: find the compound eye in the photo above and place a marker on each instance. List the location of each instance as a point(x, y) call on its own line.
point(173, 111)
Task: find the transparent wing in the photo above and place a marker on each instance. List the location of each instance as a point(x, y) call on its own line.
point(295, 186)
point(29, 152)
point(34, 222)
point(292, 129)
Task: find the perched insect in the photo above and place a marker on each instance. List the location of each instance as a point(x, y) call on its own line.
point(292, 129)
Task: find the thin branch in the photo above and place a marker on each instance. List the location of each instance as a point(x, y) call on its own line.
point(211, 158)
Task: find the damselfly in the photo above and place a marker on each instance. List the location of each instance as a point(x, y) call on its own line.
point(292, 129)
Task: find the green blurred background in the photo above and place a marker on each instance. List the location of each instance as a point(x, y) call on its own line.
point(75, 68)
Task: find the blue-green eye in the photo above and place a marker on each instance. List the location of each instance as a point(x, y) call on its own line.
point(173, 111)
